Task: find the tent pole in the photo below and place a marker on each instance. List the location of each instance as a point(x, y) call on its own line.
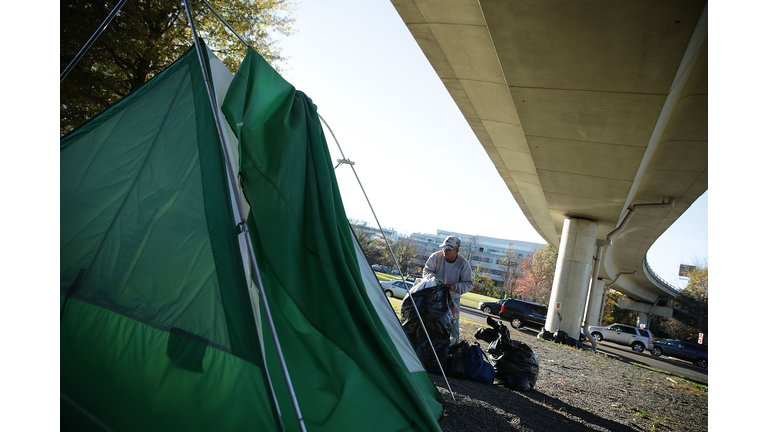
point(242, 39)
point(90, 42)
point(243, 223)
point(393, 254)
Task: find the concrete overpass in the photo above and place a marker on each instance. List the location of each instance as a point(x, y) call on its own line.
point(588, 110)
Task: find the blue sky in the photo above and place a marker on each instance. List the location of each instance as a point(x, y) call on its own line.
point(420, 164)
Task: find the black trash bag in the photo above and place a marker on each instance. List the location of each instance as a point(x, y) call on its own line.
point(436, 309)
point(560, 336)
point(456, 365)
point(573, 342)
point(486, 334)
point(545, 334)
point(514, 361)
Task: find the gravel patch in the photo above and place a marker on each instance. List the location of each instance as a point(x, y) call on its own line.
point(576, 390)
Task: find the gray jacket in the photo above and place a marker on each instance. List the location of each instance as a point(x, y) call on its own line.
point(458, 272)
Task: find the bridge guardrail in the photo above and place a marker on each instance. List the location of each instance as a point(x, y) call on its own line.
point(658, 279)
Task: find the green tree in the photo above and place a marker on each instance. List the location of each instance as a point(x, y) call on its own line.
point(612, 313)
point(147, 36)
point(482, 282)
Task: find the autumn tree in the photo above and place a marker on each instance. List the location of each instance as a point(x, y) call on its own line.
point(404, 251)
point(537, 274)
point(690, 316)
point(148, 35)
point(695, 297)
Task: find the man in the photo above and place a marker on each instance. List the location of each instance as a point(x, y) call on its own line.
point(452, 269)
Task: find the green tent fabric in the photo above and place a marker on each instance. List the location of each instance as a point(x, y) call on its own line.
point(161, 327)
point(155, 315)
point(309, 265)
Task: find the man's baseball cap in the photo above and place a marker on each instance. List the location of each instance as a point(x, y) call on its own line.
point(451, 242)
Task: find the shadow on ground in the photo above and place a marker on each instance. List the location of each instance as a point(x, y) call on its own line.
point(490, 408)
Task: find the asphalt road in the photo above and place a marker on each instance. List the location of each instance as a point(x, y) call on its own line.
point(663, 363)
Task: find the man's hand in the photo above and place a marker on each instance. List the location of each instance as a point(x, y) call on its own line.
point(452, 286)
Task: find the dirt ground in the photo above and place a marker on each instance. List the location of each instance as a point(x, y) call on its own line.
point(576, 390)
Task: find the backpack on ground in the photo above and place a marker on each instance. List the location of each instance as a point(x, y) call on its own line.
point(479, 369)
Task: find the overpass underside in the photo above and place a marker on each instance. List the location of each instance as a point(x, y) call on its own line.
point(585, 109)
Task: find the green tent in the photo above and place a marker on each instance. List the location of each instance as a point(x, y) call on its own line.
point(162, 326)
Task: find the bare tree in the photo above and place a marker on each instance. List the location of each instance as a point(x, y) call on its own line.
point(511, 269)
point(468, 247)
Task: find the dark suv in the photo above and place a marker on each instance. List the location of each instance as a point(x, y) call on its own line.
point(521, 313)
point(694, 353)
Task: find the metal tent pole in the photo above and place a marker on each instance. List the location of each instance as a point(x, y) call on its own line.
point(243, 223)
point(221, 18)
point(90, 42)
point(390, 251)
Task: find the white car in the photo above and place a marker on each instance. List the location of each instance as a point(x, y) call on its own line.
point(396, 288)
point(637, 338)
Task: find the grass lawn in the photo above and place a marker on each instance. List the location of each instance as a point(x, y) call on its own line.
point(386, 277)
point(472, 299)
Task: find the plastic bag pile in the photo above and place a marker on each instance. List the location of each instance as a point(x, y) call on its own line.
point(514, 361)
point(560, 337)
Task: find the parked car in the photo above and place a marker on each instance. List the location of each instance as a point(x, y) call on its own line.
point(413, 277)
point(490, 307)
point(396, 288)
point(521, 313)
point(692, 352)
point(380, 268)
point(637, 338)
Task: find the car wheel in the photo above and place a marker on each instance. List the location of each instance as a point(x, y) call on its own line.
point(516, 323)
point(598, 337)
point(638, 347)
point(388, 293)
point(656, 351)
point(487, 310)
point(702, 363)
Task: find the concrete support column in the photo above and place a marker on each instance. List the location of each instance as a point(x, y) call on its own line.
point(642, 318)
point(571, 285)
point(597, 304)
